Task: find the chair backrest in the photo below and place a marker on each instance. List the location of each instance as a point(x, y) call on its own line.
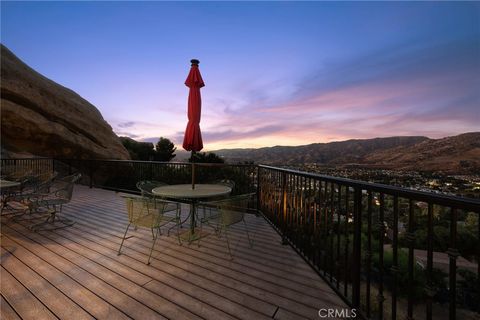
point(233, 209)
point(36, 183)
point(44, 181)
point(144, 211)
point(16, 173)
point(146, 187)
point(65, 186)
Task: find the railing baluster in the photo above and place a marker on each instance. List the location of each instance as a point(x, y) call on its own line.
point(311, 222)
point(347, 240)
point(290, 202)
point(381, 235)
point(337, 258)
point(316, 221)
point(280, 199)
point(90, 173)
point(411, 259)
point(306, 212)
point(331, 231)
point(284, 207)
point(429, 288)
point(259, 189)
point(325, 227)
point(357, 246)
point(453, 254)
point(369, 252)
point(294, 205)
point(394, 268)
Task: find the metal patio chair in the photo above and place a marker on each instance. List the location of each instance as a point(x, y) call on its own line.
point(224, 182)
point(59, 194)
point(23, 198)
point(148, 213)
point(146, 187)
point(227, 212)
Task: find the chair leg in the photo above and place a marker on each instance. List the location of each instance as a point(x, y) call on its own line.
point(250, 242)
point(121, 244)
point(178, 231)
point(177, 225)
point(151, 249)
point(228, 244)
point(201, 231)
point(51, 219)
point(179, 208)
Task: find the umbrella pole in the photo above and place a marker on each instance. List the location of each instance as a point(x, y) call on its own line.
point(193, 170)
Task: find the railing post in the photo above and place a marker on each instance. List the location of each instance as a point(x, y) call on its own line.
point(284, 208)
point(258, 188)
point(90, 172)
point(357, 240)
point(453, 254)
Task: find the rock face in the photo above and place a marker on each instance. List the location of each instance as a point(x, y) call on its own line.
point(42, 118)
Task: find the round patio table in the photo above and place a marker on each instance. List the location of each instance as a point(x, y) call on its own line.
point(5, 186)
point(192, 196)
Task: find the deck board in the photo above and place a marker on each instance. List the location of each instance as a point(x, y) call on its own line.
point(50, 296)
point(22, 300)
point(7, 311)
point(80, 269)
point(88, 300)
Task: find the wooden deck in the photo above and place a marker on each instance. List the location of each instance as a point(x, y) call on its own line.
point(75, 273)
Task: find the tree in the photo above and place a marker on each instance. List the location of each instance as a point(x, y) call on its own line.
point(138, 150)
point(206, 157)
point(165, 150)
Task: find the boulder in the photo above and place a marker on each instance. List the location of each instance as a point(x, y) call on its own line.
point(42, 118)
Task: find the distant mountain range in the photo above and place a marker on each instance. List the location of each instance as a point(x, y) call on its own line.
point(458, 154)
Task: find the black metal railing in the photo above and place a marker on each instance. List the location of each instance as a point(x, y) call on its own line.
point(122, 175)
point(389, 252)
point(30, 165)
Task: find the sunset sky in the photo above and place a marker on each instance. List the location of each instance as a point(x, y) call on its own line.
point(276, 73)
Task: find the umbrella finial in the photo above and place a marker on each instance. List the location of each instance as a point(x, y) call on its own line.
point(195, 62)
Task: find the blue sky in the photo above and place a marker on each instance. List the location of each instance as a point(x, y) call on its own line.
point(276, 73)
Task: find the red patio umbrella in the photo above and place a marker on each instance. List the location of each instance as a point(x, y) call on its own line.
point(192, 140)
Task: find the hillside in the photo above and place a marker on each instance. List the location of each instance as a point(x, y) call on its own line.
point(349, 151)
point(457, 154)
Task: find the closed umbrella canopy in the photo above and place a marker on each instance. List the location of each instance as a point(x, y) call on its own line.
point(192, 140)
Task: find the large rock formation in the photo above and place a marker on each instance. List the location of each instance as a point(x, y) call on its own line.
point(42, 118)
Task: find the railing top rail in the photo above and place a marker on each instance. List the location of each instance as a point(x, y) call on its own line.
point(160, 162)
point(30, 158)
point(430, 197)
